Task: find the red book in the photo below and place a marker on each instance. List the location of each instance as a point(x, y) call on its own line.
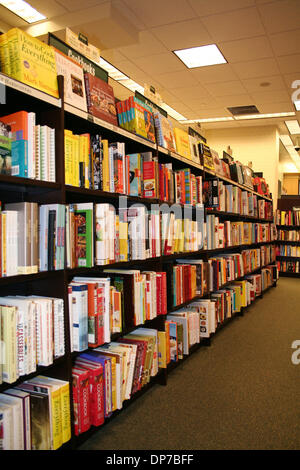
point(149, 179)
point(158, 294)
point(81, 401)
point(19, 124)
point(96, 382)
point(100, 99)
point(164, 293)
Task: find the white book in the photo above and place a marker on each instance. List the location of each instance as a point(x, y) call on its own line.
point(24, 397)
point(31, 145)
point(29, 308)
point(80, 315)
point(48, 169)
point(11, 237)
point(58, 324)
point(126, 352)
point(181, 317)
point(7, 420)
point(43, 153)
point(37, 131)
point(52, 168)
point(17, 415)
point(101, 215)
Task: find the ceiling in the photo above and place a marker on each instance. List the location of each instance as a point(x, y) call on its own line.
point(260, 39)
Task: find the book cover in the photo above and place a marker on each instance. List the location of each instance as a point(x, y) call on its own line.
point(5, 149)
point(74, 89)
point(182, 142)
point(100, 99)
point(34, 62)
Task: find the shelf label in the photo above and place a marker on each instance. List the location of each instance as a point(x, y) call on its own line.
point(90, 118)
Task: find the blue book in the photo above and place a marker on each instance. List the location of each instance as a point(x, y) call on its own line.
point(19, 158)
point(80, 316)
point(106, 364)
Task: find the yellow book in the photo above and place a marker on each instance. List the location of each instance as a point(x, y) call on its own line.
point(123, 237)
point(182, 142)
point(181, 239)
point(34, 62)
point(243, 291)
point(76, 159)
point(4, 55)
point(9, 343)
point(113, 383)
point(69, 164)
point(87, 160)
point(3, 224)
point(82, 157)
point(162, 353)
point(64, 388)
point(105, 165)
point(282, 218)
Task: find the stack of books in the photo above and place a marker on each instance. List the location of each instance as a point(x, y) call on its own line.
point(136, 116)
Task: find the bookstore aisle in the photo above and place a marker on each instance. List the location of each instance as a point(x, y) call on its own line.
point(242, 392)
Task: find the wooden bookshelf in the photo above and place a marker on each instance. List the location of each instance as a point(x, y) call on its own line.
point(55, 113)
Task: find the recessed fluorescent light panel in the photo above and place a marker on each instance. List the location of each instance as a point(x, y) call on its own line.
point(201, 56)
point(262, 116)
point(293, 126)
point(219, 119)
point(174, 114)
point(23, 9)
point(113, 72)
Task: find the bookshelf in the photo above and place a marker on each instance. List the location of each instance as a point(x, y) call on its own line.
point(55, 113)
point(288, 236)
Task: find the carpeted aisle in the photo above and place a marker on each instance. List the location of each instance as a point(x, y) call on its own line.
point(240, 393)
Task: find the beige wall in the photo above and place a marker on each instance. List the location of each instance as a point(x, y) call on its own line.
point(259, 144)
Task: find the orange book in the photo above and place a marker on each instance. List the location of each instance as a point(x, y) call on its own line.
point(19, 124)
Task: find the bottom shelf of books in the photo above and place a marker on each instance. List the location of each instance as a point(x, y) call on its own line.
point(43, 412)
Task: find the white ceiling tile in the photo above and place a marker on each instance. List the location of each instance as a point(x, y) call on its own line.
point(234, 87)
point(158, 12)
point(203, 104)
point(190, 33)
point(254, 84)
point(286, 43)
point(73, 5)
point(113, 56)
point(214, 73)
point(284, 107)
point(177, 79)
point(270, 97)
point(246, 49)
point(159, 63)
point(235, 100)
point(256, 68)
point(289, 63)
point(147, 45)
point(196, 92)
point(212, 113)
point(238, 24)
point(280, 16)
point(205, 7)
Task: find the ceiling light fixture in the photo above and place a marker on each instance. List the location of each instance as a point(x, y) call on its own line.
point(264, 116)
point(293, 126)
point(201, 56)
point(113, 72)
point(174, 114)
point(218, 119)
point(23, 9)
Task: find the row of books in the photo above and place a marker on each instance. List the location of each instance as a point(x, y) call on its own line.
point(108, 375)
point(287, 217)
point(288, 250)
point(196, 277)
point(35, 415)
point(229, 198)
point(288, 235)
point(32, 334)
point(223, 234)
point(27, 149)
point(269, 275)
point(126, 234)
point(288, 266)
point(102, 306)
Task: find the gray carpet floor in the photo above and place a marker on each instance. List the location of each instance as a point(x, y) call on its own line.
point(242, 392)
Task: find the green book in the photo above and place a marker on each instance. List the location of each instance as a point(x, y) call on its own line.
point(84, 234)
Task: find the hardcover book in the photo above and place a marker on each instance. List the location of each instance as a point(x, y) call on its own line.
point(74, 89)
point(100, 99)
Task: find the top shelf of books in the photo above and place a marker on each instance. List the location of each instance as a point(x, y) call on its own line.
point(28, 90)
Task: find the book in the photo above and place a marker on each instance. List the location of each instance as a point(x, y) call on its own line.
point(74, 88)
point(100, 99)
point(5, 149)
point(33, 62)
point(182, 142)
point(165, 134)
